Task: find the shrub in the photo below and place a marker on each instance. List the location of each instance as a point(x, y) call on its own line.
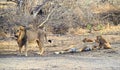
point(60, 29)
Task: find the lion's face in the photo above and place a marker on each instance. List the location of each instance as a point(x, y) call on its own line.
point(16, 34)
point(18, 30)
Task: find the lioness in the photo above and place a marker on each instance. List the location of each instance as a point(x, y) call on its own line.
point(23, 36)
point(103, 43)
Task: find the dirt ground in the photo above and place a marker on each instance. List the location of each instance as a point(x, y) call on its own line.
point(104, 59)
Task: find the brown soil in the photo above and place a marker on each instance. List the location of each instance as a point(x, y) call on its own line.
point(104, 59)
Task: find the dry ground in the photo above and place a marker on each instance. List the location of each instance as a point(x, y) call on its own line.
point(106, 59)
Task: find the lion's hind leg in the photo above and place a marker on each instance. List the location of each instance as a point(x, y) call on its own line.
point(41, 49)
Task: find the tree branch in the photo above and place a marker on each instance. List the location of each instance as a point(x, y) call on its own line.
point(46, 18)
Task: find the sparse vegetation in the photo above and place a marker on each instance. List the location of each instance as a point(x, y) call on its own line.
point(71, 14)
point(66, 23)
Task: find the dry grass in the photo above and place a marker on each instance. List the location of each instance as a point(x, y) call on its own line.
point(110, 29)
point(6, 5)
point(78, 31)
point(103, 8)
point(105, 30)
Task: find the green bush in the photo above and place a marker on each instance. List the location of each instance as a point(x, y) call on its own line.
point(89, 26)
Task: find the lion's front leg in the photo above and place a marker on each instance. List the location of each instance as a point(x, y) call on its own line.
point(20, 51)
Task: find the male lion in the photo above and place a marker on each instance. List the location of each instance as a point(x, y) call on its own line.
point(23, 36)
point(103, 43)
point(21, 39)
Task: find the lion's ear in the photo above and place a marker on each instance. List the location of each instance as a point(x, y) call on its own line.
point(22, 28)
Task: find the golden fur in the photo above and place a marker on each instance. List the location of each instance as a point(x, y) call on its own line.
point(87, 40)
point(24, 36)
point(103, 43)
point(21, 39)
